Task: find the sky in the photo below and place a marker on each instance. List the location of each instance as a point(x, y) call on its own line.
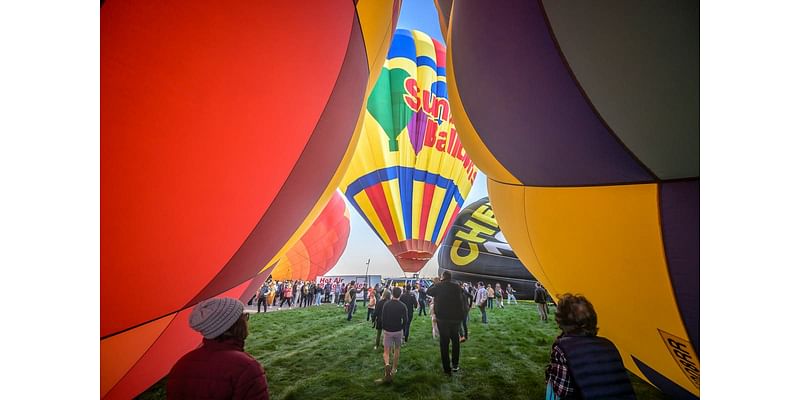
point(363, 243)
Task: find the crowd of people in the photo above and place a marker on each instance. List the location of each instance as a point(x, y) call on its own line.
point(299, 293)
point(582, 364)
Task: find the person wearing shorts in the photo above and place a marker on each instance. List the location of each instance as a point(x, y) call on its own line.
point(393, 319)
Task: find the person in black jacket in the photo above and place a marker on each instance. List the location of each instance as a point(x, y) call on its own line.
point(376, 317)
point(423, 300)
point(540, 297)
point(582, 364)
point(393, 320)
point(448, 304)
point(411, 303)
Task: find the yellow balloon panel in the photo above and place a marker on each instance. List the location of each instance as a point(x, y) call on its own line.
point(603, 242)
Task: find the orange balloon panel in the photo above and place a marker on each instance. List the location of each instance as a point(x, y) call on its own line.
point(320, 247)
point(223, 124)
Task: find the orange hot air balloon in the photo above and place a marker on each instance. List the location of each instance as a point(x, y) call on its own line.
point(320, 247)
point(410, 174)
point(213, 162)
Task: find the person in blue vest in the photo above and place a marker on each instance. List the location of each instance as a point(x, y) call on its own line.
point(582, 364)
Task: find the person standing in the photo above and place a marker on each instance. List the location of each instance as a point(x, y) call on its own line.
point(371, 304)
point(352, 293)
point(463, 333)
point(423, 300)
point(410, 302)
point(481, 298)
point(393, 320)
point(376, 317)
point(540, 298)
point(327, 293)
point(510, 293)
point(498, 294)
point(278, 294)
point(448, 304)
point(219, 368)
point(273, 288)
point(287, 295)
point(262, 297)
point(490, 296)
point(582, 364)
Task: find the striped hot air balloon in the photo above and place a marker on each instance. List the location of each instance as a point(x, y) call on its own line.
point(410, 174)
point(588, 130)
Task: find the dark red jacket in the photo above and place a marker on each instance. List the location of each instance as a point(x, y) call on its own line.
point(217, 370)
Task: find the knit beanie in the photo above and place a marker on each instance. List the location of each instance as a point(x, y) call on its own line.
point(213, 317)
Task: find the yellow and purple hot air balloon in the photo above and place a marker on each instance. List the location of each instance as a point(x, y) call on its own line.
point(410, 174)
point(585, 118)
point(225, 126)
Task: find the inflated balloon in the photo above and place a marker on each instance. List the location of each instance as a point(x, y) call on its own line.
point(475, 250)
point(225, 128)
point(320, 247)
point(587, 128)
point(410, 174)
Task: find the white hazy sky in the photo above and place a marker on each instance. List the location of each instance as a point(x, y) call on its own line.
point(363, 243)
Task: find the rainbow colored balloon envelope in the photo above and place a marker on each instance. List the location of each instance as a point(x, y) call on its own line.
point(410, 174)
point(585, 117)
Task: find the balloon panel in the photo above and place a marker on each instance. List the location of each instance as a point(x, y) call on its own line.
point(173, 185)
point(541, 109)
point(119, 353)
point(645, 86)
point(410, 173)
point(180, 200)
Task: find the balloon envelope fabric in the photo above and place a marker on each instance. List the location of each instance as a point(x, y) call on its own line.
point(589, 137)
point(410, 174)
point(212, 162)
point(475, 250)
point(320, 247)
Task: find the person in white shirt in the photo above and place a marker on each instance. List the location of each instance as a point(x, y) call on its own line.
point(481, 298)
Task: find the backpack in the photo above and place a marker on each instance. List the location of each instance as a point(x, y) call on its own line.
point(347, 297)
point(466, 299)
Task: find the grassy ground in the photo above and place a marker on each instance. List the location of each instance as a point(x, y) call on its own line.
point(315, 353)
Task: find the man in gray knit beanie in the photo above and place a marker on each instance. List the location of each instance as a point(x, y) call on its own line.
point(213, 317)
point(219, 368)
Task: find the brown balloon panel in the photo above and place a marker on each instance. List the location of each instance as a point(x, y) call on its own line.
point(412, 255)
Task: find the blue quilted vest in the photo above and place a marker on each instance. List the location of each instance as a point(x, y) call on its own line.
point(596, 367)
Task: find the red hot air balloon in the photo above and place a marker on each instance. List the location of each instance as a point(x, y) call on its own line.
point(213, 162)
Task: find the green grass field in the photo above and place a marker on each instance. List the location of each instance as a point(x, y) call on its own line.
point(315, 353)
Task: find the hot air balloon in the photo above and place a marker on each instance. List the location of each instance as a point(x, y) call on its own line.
point(587, 128)
point(218, 150)
point(475, 250)
point(410, 174)
point(320, 247)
